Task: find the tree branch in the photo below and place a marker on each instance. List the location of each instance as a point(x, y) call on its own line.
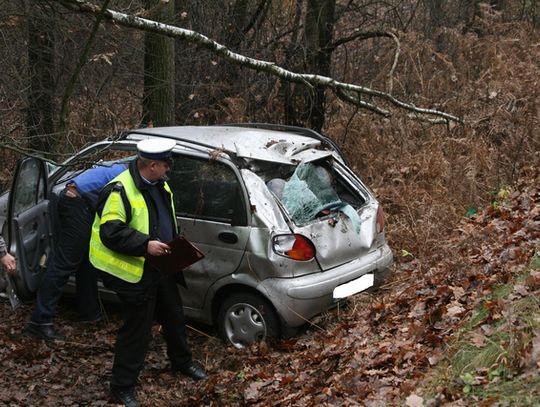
point(258, 65)
point(357, 101)
point(13, 145)
point(255, 17)
point(393, 68)
point(360, 36)
point(70, 87)
point(374, 34)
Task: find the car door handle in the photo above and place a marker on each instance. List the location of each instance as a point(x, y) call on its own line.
point(228, 237)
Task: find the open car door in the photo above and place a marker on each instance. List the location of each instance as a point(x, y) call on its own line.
point(30, 225)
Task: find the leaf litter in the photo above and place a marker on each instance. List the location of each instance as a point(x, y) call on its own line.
point(377, 352)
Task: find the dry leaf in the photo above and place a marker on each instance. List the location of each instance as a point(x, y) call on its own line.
point(414, 401)
point(454, 309)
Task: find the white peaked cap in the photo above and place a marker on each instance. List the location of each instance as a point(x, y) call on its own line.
point(156, 148)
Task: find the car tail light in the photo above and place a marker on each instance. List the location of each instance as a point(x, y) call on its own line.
point(296, 247)
point(380, 220)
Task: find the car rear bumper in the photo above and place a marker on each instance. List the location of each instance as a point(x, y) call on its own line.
point(299, 299)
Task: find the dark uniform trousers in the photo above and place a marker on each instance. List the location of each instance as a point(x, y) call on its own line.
point(154, 297)
point(69, 254)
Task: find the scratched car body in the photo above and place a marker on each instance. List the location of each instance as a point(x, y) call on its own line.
point(266, 269)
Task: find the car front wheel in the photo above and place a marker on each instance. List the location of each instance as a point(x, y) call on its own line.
point(245, 318)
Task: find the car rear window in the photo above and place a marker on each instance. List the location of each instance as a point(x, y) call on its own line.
point(311, 190)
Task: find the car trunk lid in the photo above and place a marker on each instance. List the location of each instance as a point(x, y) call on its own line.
point(336, 239)
point(331, 207)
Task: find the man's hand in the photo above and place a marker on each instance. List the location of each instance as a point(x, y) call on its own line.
point(9, 263)
point(157, 248)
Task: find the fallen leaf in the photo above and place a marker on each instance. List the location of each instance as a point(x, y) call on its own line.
point(458, 292)
point(414, 401)
point(454, 310)
point(521, 290)
point(251, 393)
point(478, 340)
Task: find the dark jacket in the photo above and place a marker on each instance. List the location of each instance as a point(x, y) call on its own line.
point(117, 235)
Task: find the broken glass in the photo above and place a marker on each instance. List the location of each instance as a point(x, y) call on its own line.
point(310, 192)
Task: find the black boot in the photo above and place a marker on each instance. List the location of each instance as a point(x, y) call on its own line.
point(192, 370)
point(125, 396)
point(46, 332)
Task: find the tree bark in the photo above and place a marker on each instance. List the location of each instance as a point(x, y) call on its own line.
point(292, 61)
point(436, 16)
point(318, 30)
point(158, 100)
point(40, 114)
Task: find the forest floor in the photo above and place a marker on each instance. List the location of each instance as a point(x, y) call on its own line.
point(457, 324)
point(396, 346)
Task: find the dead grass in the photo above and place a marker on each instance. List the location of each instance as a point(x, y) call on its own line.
point(493, 359)
point(428, 177)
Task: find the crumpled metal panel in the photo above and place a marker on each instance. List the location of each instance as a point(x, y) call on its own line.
point(266, 211)
point(259, 144)
point(282, 151)
point(334, 236)
point(268, 221)
point(335, 239)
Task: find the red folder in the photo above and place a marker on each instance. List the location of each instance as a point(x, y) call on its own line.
point(183, 254)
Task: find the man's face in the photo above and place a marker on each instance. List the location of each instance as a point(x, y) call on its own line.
point(158, 169)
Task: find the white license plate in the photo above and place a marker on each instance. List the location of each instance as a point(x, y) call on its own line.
point(353, 287)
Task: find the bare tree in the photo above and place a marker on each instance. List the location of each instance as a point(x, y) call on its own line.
point(63, 122)
point(354, 94)
point(41, 62)
point(205, 86)
point(318, 29)
point(436, 15)
point(158, 100)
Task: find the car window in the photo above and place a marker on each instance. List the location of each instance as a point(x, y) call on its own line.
point(51, 168)
point(205, 189)
point(30, 188)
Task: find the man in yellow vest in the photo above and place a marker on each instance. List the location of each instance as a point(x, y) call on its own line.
point(135, 216)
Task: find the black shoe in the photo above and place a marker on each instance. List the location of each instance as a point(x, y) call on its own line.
point(125, 396)
point(46, 332)
point(192, 370)
point(94, 320)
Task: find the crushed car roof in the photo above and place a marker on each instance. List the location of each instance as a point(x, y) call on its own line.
point(261, 144)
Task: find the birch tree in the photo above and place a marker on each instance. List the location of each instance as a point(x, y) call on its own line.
point(380, 102)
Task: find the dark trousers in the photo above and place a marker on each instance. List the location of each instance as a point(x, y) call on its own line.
point(70, 255)
point(155, 297)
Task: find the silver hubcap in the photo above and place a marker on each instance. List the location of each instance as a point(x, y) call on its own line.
point(244, 324)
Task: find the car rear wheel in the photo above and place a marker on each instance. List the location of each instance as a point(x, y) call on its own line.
point(245, 318)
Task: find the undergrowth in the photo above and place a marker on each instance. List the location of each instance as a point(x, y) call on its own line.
point(494, 357)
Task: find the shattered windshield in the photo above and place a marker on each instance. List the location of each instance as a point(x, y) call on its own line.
point(314, 190)
point(308, 192)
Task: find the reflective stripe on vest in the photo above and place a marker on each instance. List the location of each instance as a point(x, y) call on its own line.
point(128, 268)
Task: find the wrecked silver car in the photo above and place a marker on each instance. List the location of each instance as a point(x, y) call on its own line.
point(287, 229)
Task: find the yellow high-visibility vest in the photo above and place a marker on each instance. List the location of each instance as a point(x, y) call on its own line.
point(128, 268)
